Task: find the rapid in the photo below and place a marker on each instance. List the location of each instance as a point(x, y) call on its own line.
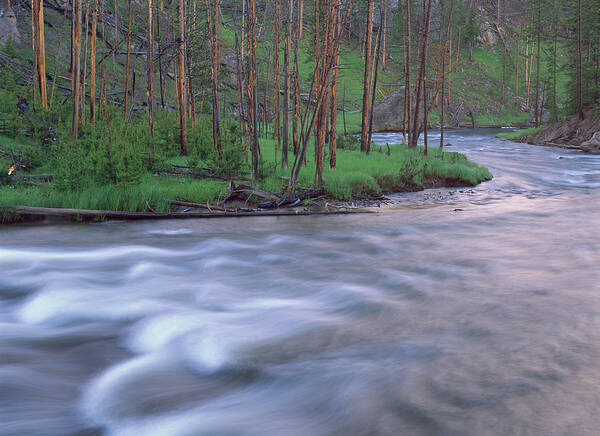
point(463, 311)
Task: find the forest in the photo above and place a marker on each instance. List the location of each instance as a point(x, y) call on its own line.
point(239, 106)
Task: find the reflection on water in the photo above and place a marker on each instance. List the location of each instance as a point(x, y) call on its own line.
point(474, 318)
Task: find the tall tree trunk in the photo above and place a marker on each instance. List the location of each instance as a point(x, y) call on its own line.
point(421, 79)
point(77, 58)
point(334, 91)
point(579, 62)
point(301, 157)
point(296, 85)
point(93, 66)
point(301, 20)
point(41, 51)
point(251, 84)
point(374, 90)
point(366, 79)
point(150, 70)
point(212, 11)
point(385, 30)
point(286, 86)
point(537, 80)
point(182, 76)
point(276, 84)
point(407, 91)
point(35, 51)
point(443, 101)
point(128, 58)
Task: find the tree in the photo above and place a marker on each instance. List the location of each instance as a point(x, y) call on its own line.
point(414, 137)
point(150, 71)
point(39, 49)
point(181, 77)
point(286, 85)
point(76, 56)
point(366, 79)
point(93, 63)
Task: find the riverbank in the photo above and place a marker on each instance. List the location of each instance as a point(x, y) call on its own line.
point(359, 180)
point(574, 133)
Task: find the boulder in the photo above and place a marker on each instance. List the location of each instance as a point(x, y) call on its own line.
point(544, 116)
point(593, 144)
point(487, 35)
point(8, 26)
point(389, 112)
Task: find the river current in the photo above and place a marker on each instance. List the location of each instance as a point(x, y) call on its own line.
point(467, 311)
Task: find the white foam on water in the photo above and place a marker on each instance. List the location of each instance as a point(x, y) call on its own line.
point(171, 232)
point(68, 305)
point(37, 254)
point(101, 398)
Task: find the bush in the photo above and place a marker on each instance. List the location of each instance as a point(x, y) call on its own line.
point(348, 142)
point(202, 153)
point(102, 156)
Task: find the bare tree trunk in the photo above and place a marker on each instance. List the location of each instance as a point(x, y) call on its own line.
point(443, 101)
point(276, 84)
point(251, 84)
point(127, 59)
point(301, 21)
point(212, 16)
point(84, 75)
point(182, 76)
point(422, 72)
point(366, 79)
point(41, 51)
point(35, 52)
point(296, 115)
point(286, 86)
point(385, 30)
point(537, 83)
point(405, 106)
point(150, 70)
point(579, 63)
point(301, 157)
point(407, 92)
point(77, 58)
point(317, 71)
point(425, 115)
point(374, 91)
point(334, 91)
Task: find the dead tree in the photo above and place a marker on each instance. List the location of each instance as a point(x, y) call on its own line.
point(366, 79)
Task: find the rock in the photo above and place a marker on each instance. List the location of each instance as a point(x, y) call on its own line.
point(544, 116)
point(487, 35)
point(8, 26)
point(389, 112)
point(593, 144)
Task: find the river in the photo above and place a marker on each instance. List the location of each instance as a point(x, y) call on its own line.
point(458, 312)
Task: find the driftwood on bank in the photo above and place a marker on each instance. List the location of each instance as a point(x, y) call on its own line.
point(196, 175)
point(207, 206)
point(86, 214)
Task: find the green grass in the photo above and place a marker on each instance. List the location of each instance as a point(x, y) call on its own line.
point(357, 176)
point(519, 134)
point(405, 169)
point(150, 195)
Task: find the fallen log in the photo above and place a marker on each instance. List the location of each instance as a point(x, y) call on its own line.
point(258, 192)
point(86, 214)
point(202, 175)
point(33, 176)
point(40, 185)
point(205, 206)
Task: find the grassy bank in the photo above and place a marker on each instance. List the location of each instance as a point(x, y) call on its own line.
point(135, 182)
point(519, 135)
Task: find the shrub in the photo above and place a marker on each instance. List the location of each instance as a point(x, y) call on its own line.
point(348, 142)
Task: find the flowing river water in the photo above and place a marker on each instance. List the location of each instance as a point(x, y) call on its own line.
point(459, 312)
